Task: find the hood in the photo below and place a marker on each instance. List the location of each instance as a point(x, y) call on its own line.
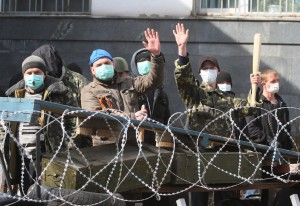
point(55, 66)
point(133, 67)
point(51, 84)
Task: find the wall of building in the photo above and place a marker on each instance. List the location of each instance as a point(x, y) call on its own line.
point(229, 40)
point(145, 8)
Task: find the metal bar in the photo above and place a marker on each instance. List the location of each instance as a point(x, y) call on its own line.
point(16, 1)
point(38, 164)
point(59, 109)
point(29, 5)
point(245, 186)
point(6, 175)
point(235, 5)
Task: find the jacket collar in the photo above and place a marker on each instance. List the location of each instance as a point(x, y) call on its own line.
point(51, 84)
point(277, 96)
point(102, 83)
point(208, 88)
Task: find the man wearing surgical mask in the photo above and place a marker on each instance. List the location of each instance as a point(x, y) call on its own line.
point(35, 85)
point(209, 70)
point(207, 103)
point(273, 115)
point(224, 81)
point(156, 101)
point(110, 93)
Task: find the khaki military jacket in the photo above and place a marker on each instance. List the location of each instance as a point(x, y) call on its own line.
point(123, 93)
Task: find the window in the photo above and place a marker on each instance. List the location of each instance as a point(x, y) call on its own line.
point(248, 7)
point(45, 6)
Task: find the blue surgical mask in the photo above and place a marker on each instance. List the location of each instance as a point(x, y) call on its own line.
point(105, 72)
point(34, 81)
point(144, 67)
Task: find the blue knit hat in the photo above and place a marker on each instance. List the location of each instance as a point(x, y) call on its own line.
point(98, 54)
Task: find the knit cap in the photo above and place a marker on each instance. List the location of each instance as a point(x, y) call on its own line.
point(98, 54)
point(33, 62)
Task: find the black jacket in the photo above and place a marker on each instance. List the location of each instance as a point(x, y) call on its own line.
point(156, 100)
point(269, 122)
point(157, 104)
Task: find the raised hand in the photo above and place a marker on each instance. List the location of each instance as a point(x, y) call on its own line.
point(181, 35)
point(153, 43)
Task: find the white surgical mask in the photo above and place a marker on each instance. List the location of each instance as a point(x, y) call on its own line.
point(209, 76)
point(225, 87)
point(273, 88)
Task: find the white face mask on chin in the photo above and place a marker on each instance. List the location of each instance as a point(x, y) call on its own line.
point(209, 76)
point(273, 88)
point(225, 87)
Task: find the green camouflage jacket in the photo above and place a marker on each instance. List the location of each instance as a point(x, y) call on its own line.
point(207, 105)
point(75, 82)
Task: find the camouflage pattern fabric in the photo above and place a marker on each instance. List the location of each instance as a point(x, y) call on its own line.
point(75, 82)
point(207, 104)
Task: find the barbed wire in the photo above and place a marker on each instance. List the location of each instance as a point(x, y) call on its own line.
point(130, 164)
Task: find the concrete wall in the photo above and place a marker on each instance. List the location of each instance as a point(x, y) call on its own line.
point(229, 40)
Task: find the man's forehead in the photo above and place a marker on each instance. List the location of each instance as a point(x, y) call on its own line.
point(273, 76)
point(33, 70)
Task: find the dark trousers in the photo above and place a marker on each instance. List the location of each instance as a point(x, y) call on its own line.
point(199, 198)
